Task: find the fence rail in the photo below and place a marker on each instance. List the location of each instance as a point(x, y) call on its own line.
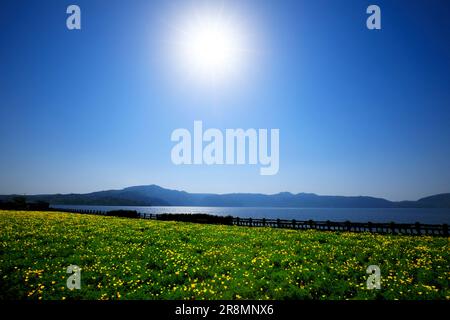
point(392, 228)
point(373, 227)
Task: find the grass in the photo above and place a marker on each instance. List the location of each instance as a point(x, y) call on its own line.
point(145, 259)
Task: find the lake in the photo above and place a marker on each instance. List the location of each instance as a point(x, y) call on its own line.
point(399, 215)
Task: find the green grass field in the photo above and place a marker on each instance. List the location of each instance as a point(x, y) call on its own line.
point(142, 259)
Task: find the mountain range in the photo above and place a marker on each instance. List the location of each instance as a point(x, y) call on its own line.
point(153, 195)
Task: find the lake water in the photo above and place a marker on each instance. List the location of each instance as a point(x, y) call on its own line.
point(399, 215)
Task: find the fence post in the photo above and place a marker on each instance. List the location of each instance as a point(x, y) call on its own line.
point(369, 226)
point(237, 220)
point(264, 222)
point(418, 228)
point(328, 225)
point(348, 225)
point(445, 229)
point(393, 227)
point(278, 223)
point(293, 223)
point(250, 222)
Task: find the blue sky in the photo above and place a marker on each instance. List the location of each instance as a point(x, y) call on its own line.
point(360, 112)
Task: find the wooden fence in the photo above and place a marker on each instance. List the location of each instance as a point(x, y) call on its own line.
point(392, 228)
point(347, 226)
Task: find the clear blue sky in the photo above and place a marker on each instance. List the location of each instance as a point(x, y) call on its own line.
point(360, 112)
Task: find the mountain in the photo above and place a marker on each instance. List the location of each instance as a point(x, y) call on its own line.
point(438, 201)
point(153, 195)
point(109, 198)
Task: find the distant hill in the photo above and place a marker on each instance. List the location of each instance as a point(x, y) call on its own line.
point(439, 201)
point(153, 195)
point(108, 198)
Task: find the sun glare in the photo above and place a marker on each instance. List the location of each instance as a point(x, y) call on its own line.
point(210, 46)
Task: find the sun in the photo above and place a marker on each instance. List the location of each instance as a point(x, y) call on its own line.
point(210, 45)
